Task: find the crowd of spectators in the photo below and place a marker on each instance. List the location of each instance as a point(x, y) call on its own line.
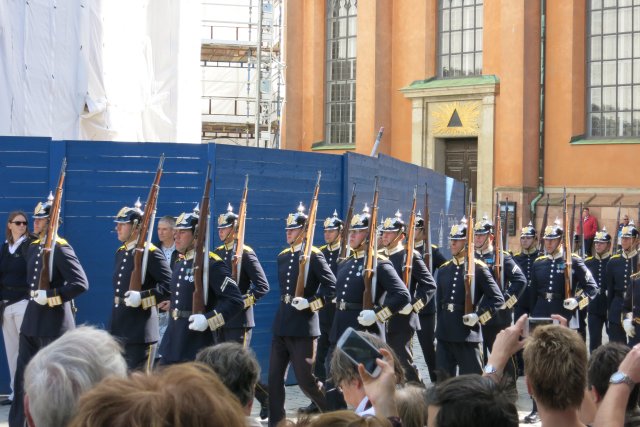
point(81, 380)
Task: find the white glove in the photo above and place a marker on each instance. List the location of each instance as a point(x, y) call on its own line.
point(470, 319)
point(300, 303)
point(627, 324)
point(198, 322)
point(406, 309)
point(367, 317)
point(570, 303)
point(40, 297)
point(132, 299)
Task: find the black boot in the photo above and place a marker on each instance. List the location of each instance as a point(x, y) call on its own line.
point(310, 409)
point(533, 417)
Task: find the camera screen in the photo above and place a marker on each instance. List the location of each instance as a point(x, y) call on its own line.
point(361, 351)
point(534, 322)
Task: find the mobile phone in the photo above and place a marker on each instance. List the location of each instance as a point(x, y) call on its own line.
point(359, 350)
point(534, 322)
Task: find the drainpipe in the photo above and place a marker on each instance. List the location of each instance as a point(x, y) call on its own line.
point(543, 39)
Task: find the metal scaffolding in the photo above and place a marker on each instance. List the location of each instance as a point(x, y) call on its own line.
point(242, 72)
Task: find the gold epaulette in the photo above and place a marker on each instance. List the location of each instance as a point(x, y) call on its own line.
point(382, 257)
point(616, 256)
point(541, 257)
point(214, 256)
point(315, 250)
point(588, 258)
point(248, 248)
point(220, 247)
point(434, 246)
point(323, 247)
point(575, 255)
point(482, 263)
point(61, 241)
point(152, 247)
point(285, 251)
point(517, 254)
point(446, 263)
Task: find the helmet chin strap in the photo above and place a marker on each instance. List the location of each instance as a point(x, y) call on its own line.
point(134, 227)
point(396, 239)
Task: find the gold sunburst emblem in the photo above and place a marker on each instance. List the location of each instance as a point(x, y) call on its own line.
point(456, 119)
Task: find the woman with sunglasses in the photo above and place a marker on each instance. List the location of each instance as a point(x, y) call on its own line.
point(14, 290)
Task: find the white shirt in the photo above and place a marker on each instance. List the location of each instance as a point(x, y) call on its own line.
point(168, 251)
point(16, 244)
point(365, 412)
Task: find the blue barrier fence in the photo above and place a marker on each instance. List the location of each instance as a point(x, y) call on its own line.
point(104, 176)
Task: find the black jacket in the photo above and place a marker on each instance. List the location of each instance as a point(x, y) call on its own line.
point(69, 281)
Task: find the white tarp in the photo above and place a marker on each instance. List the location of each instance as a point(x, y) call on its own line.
point(100, 69)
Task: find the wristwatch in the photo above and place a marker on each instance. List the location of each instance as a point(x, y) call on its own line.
point(490, 369)
point(620, 378)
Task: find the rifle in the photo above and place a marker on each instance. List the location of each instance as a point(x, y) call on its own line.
point(46, 274)
point(411, 244)
point(371, 260)
point(238, 243)
point(568, 276)
point(201, 251)
point(141, 252)
point(307, 241)
point(544, 224)
point(506, 225)
point(573, 217)
point(498, 270)
point(614, 246)
point(582, 248)
point(344, 242)
point(427, 229)
point(470, 276)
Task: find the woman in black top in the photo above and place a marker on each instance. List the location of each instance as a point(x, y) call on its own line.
point(14, 291)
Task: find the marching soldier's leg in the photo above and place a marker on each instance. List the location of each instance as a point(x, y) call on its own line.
point(278, 363)
point(518, 311)
point(489, 334)
point(399, 339)
point(616, 333)
point(595, 323)
point(470, 356)
point(426, 337)
point(445, 361)
point(302, 349)
point(136, 355)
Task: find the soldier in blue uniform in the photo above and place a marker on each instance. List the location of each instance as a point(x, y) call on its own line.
point(253, 285)
point(525, 259)
point(187, 332)
point(459, 335)
point(427, 316)
point(401, 328)
point(548, 280)
point(331, 250)
point(296, 326)
point(134, 317)
point(49, 312)
point(514, 284)
point(390, 296)
point(620, 267)
point(597, 308)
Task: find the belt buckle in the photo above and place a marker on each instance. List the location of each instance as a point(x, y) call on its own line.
point(342, 305)
point(174, 314)
point(548, 296)
point(287, 299)
point(449, 308)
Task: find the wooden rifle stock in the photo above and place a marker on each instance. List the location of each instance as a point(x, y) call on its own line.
point(411, 244)
point(238, 244)
point(568, 277)
point(498, 261)
point(344, 242)
point(307, 241)
point(469, 278)
point(201, 252)
point(135, 282)
point(544, 224)
point(371, 260)
point(428, 259)
point(44, 281)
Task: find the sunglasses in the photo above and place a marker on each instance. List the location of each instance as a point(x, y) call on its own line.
point(19, 222)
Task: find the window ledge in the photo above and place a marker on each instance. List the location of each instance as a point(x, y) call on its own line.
point(583, 140)
point(322, 145)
